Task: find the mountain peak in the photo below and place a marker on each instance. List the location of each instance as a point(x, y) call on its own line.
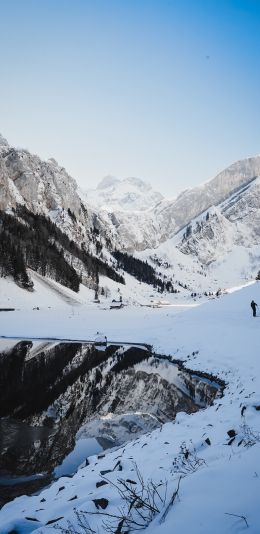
point(53, 162)
point(107, 181)
point(3, 141)
point(128, 194)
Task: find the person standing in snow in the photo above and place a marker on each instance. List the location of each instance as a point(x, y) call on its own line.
point(253, 306)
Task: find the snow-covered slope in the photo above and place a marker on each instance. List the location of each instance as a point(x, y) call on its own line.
point(130, 194)
point(212, 455)
point(218, 248)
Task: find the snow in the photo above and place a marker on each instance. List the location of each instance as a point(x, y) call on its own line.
point(46, 293)
point(221, 251)
point(49, 294)
point(84, 447)
point(219, 337)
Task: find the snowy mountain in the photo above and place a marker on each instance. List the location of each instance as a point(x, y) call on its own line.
point(218, 248)
point(45, 188)
point(161, 220)
point(208, 237)
point(194, 201)
point(130, 194)
point(60, 236)
point(234, 222)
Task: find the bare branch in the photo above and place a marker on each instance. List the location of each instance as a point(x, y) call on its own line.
point(173, 498)
point(240, 517)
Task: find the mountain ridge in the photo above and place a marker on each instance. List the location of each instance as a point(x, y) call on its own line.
point(171, 231)
point(159, 219)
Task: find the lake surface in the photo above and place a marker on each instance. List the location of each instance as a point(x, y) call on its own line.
point(63, 402)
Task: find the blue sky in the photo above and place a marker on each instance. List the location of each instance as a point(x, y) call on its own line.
point(166, 90)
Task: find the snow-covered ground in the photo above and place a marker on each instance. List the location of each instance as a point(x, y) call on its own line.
point(49, 294)
point(220, 475)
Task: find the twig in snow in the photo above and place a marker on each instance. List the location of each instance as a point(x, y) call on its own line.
point(240, 517)
point(173, 498)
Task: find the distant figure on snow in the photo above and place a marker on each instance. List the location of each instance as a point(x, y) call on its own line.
point(253, 306)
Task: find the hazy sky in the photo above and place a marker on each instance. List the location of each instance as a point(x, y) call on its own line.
point(166, 90)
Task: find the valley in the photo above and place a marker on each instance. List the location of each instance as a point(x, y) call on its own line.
point(170, 406)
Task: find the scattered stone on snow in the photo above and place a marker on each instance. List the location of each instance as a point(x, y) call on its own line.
point(101, 503)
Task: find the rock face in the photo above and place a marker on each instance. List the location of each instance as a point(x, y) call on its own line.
point(46, 188)
point(194, 201)
point(233, 223)
point(219, 248)
point(43, 185)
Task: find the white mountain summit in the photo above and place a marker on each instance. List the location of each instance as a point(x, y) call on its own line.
point(3, 141)
point(129, 194)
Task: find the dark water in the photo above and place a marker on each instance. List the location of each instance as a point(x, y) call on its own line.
point(50, 390)
point(21, 439)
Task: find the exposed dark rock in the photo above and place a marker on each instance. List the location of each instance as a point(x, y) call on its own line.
point(101, 503)
point(118, 466)
point(54, 520)
point(101, 483)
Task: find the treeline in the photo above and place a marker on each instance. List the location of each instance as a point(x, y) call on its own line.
point(34, 241)
point(24, 245)
point(93, 264)
point(12, 259)
point(142, 271)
